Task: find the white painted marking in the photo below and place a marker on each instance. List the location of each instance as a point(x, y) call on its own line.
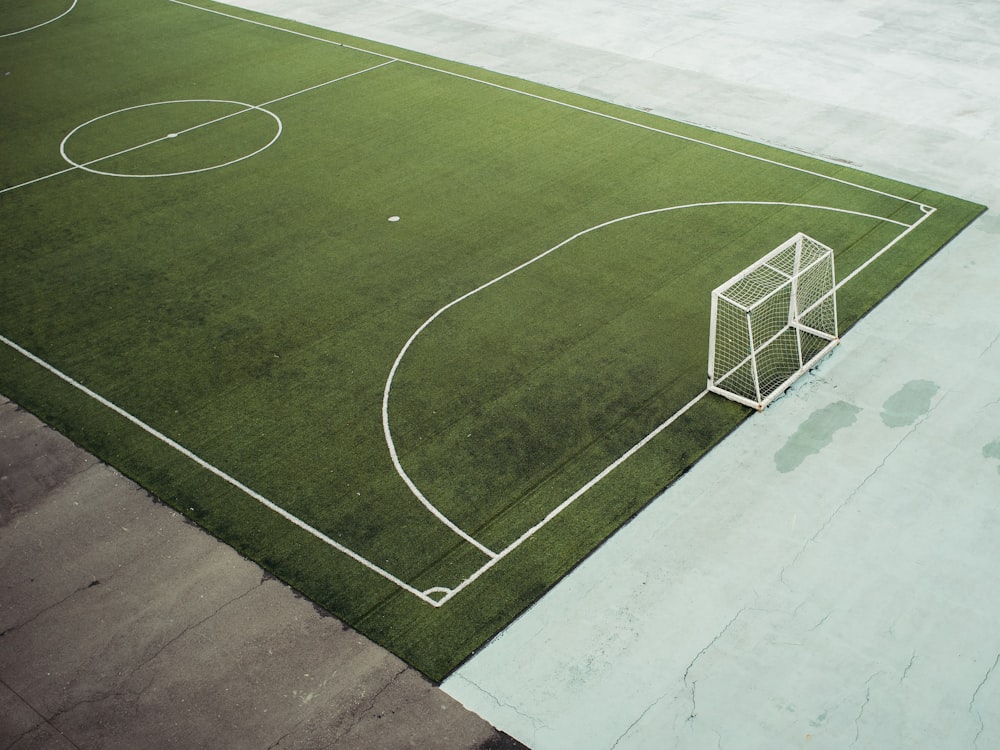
point(927, 212)
point(125, 151)
point(387, 430)
point(393, 218)
point(40, 25)
point(244, 108)
point(428, 595)
point(287, 31)
point(218, 472)
point(572, 498)
point(37, 179)
point(550, 100)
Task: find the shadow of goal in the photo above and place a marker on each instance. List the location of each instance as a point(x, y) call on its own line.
point(772, 322)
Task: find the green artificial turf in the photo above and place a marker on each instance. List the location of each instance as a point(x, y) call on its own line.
point(231, 318)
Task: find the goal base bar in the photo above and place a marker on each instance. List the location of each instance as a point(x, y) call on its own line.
point(763, 403)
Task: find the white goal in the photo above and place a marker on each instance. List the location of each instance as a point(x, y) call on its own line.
point(772, 322)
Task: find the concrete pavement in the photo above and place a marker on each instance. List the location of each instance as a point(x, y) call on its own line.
point(826, 578)
point(124, 626)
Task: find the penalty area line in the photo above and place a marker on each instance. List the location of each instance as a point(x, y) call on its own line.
point(573, 498)
point(448, 594)
point(218, 472)
point(387, 431)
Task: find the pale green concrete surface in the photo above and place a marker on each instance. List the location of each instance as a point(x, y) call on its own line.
point(829, 577)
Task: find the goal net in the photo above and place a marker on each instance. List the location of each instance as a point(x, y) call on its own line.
point(772, 322)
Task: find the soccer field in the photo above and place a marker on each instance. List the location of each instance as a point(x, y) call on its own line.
point(414, 336)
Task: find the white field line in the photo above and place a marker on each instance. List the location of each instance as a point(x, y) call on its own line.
point(451, 593)
point(571, 499)
point(285, 30)
point(928, 211)
point(387, 391)
point(214, 470)
point(40, 25)
point(327, 83)
point(38, 179)
point(86, 166)
point(246, 108)
point(494, 557)
point(557, 102)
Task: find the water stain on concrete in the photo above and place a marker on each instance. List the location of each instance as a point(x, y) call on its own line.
point(992, 450)
point(814, 434)
point(909, 403)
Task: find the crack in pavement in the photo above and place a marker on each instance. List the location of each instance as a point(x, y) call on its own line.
point(42, 721)
point(187, 629)
point(972, 701)
point(358, 715)
point(136, 694)
point(638, 719)
point(694, 684)
point(906, 670)
point(105, 696)
point(861, 711)
point(855, 492)
point(277, 743)
point(141, 553)
point(820, 624)
point(857, 719)
point(386, 686)
point(712, 642)
point(688, 685)
point(989, 346)
point(50, 607)
point(693, 713)
point(536, 723)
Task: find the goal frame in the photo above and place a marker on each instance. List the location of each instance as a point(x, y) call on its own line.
point(757, 391)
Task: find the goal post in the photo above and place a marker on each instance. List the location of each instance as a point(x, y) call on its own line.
point(772, 322)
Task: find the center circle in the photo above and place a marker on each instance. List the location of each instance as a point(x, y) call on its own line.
point(156, 127)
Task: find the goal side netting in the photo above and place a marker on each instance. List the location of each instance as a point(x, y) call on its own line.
point(772, 322)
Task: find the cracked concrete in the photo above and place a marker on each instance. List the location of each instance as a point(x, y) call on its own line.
point(869, 569)
point(861, 711)
point(535, 722)
point(975, 695)
point(123, 626)
point(894, 604)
